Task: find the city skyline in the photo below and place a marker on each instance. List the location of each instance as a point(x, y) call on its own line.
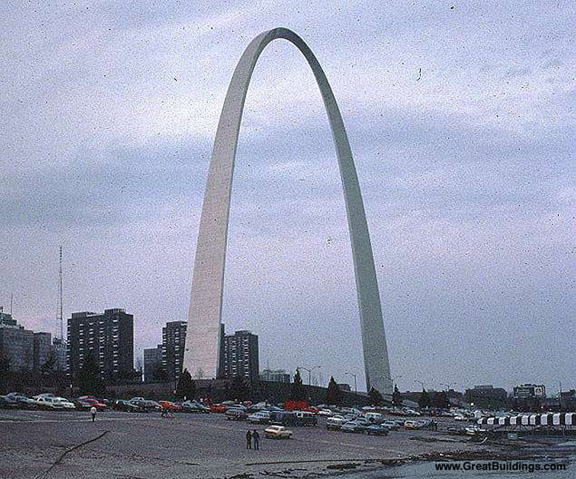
point(460, 120)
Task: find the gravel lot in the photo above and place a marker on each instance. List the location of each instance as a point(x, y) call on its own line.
point(189, 446)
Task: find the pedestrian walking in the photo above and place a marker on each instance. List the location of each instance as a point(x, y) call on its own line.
point(249, 440)
point(93, 412)
point(256, 438)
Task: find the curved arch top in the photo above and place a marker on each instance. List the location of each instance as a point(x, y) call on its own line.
point(201, 356)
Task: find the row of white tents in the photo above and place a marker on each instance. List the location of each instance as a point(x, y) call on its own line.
point(550, 419)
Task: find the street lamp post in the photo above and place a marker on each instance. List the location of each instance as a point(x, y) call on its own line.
point(355, 386)
point(420, 382)
point(398, 376)
point(309, 372)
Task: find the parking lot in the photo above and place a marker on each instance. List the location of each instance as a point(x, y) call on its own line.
point(131, 445)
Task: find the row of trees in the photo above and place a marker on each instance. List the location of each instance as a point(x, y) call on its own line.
point(48, 376)
point(90, 382)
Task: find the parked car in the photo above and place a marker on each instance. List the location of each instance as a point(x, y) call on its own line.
point(277, 432)
point(357, 425)
point(334, 423)
point(50, 403)
point(260, 417)
point(377, 430)
point(47, 395)
point(124, 405)
point(416, 424)
point(460, 417)
point(86, 402)
point(392, 425)
point(152, 405)
point(172, 407)
point(7, 402)
point(218, 408)
point(326, 412)
point(311, 409)
point(24, 402)
point(293, 418)
point(65, 403)
point(194, 407)
point(373, 416)
point(236, 414)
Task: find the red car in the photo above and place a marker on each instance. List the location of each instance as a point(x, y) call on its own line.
point(312, 409)
point(170, 406)
point(86, 402)
point(221, 408)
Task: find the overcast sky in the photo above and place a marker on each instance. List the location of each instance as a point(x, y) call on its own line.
point(461, 120)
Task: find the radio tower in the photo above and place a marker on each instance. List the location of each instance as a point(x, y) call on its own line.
point(60, 346)
point(60, 316)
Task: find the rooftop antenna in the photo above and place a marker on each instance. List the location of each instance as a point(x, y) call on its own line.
point(11, 302)
point(60, 316)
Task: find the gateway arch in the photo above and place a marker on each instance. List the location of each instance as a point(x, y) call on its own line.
point(201, 356)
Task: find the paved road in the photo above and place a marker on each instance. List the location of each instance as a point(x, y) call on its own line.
point(186, 446)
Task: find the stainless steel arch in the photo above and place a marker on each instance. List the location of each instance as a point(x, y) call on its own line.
point(201, 356)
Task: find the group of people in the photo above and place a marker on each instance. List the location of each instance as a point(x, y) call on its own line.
point(252, 437)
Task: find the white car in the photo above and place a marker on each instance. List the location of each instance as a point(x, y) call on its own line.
point(459, 417)
point(43, 395)
point(325, 412)
point(49, 403)
point(67, 404)
point(278, 432)
point(373, 416)
point(334, 423)
point(259, 417)
point(410, 424)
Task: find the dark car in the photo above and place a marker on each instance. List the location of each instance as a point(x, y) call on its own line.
point(24, 402)
point(355, 426)
point(194, 407)
point(8, 403)
point(152, 405)
point(236, 414)
point(123, 405)
point(377, 430)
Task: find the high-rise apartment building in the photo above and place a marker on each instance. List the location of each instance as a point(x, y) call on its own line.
point(153, 368)
point(173, 343)
point(16, 343)
point(42, 349)
point(60, 349)
point(108, 337)
point(240, 357)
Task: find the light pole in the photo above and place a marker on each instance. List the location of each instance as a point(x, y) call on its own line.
point(309, 372)
point(355, 387)
point(420, 382)
point(398, 376)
